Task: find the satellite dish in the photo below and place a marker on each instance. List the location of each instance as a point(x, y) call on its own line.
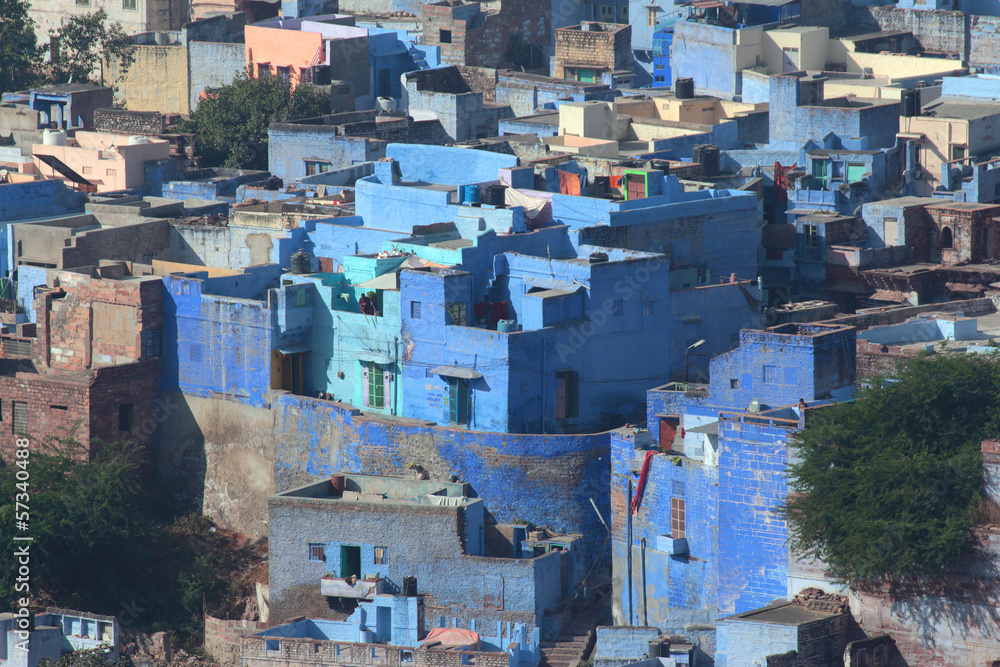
point(754, 406)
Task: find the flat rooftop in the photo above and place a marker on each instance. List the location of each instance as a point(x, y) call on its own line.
point(788, 613)
point(960, 108)
point(381, 490)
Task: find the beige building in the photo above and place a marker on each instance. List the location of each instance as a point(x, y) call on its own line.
point(104, 162)
point(134, 16)
point(950, 129)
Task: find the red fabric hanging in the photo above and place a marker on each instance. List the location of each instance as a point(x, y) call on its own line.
point(642, 482)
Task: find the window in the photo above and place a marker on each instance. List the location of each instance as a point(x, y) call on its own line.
point(659, 78)
point(314, 167)
point(734, 383)
point(458, 401)
point(317, 552)
point(770, 375)
point(83, 3)
point(647, 309)
point(415, 307)
point(300, 297)
point(605, 10)
point(811, 234)
point(195, 353)
point(125, 415)
point(567, 394)
point(458, 313)
point(272, 644)
point(285, 73)
point(651, 16)
point(445, 37)
point(88, 171)
point(111, 173)
point(384, 83)
point(837, 170)
point(129, 4)
point(381, 555)
point(19, 418)
point(58, 408)
point(957, 152)
point(376, 386)
point(406, 657)
point(617, 307)
point(152, 340)
point(678, 520)
point(946, 239)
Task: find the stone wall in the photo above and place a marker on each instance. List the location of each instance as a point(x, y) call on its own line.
point(126, 121)
point(222, 638)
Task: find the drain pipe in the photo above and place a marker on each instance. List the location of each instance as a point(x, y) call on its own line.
point(628, 539)
point(645, 620)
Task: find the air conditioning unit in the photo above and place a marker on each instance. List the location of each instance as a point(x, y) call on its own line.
point(671, 545)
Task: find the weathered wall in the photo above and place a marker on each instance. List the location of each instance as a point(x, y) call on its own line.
point(210, 65)
point(156, 81)
point(219, 456)
point(222, 638)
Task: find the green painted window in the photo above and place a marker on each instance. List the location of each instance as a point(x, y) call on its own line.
point(458, 401)
point(376, 386)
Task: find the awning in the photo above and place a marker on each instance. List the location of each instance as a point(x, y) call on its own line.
point(711, 429)
point(457, 372)
point(388, 280)
point(294, 349)
point(373, 356)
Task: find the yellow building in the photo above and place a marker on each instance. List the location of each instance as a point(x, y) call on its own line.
point(950, 129)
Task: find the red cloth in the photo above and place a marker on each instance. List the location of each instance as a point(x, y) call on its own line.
point(616, 181)
point(637, 500)
point(569, 183)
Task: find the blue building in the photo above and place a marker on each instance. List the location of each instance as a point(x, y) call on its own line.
point(694, 498)
point(663, 39)
point(45, 637)
point(360, 538)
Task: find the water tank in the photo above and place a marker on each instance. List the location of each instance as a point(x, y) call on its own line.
point(473, 194)
point(494, 195)
point(506, 326)
point(684, 88)
point(54, 138)
point(658, 648)
point(137, 139)
point(909, 103)
point(321, 75)
point(709, 159)
point(386, 104)
point(597, 257)
point(409, 586)
point(301, 262)
point(338, 484)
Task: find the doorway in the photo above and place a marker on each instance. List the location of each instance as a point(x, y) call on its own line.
point(350, 562)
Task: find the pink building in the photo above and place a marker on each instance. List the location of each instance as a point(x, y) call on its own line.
point(96, 161)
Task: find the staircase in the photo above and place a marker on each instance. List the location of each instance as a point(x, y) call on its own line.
point(576, 638)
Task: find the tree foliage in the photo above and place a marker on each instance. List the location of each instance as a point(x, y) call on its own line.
point(19, 54)
point(103, 542)
point(891, 484)
point(232, 121)
point(84, 42)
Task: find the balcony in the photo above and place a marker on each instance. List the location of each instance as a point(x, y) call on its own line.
point(352, 587)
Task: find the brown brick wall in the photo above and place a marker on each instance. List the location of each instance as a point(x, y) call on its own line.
point(484, 42)
point(601, 50)
point(222, 638)
point(311, 652)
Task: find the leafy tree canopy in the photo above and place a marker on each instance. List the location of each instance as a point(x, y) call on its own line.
point(231, 122)
point(84, 42)
point(891, 484)
point(106, 542)
point(19, 55)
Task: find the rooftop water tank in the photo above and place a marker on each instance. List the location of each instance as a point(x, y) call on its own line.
point(137, 139)
point(507, 326)
point(53, 138)
point(386, 104)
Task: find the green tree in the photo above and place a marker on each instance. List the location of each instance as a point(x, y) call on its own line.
point(19, 55)
point(85, 42)
point(888, 487)
point(232, 121)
